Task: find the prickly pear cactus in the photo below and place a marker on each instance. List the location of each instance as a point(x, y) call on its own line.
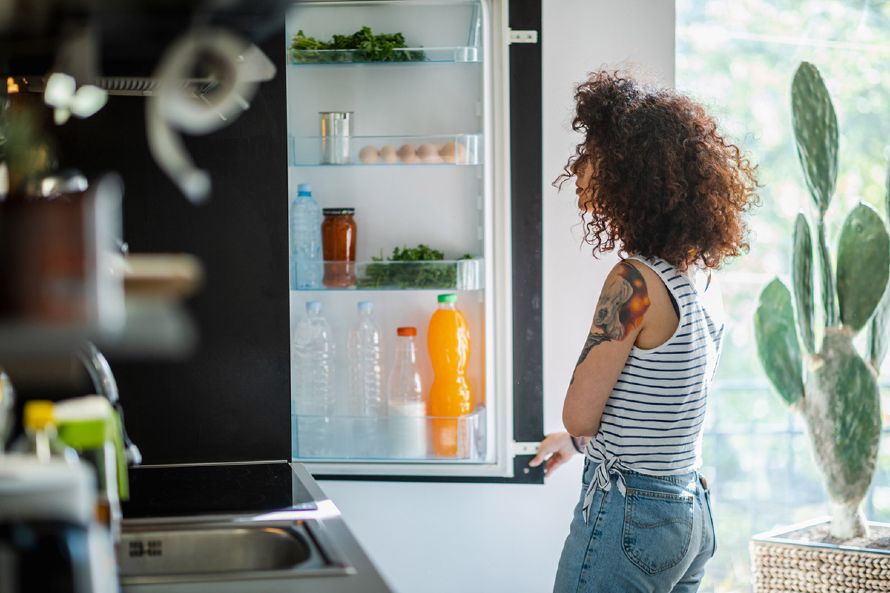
point(830, 383)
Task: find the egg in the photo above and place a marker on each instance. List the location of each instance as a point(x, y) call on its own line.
point(389, 154)
point(408, 154)
point(428, 153)
point(368, 155)
point(452, 152)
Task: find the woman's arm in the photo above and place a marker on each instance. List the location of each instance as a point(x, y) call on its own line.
point(617, 321)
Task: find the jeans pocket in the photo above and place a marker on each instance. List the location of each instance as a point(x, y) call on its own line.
point(711, 523)
point(657, 528)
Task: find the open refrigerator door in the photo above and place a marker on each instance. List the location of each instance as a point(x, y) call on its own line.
point(398, 137)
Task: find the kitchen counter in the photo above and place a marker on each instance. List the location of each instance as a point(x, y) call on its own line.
point(254, 493)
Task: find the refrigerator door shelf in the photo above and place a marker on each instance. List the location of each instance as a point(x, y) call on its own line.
point(381, 151)
point(461, 275)
point(391, 439)
point(408, 55)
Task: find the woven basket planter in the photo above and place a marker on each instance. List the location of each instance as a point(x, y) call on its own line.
point(781, 564)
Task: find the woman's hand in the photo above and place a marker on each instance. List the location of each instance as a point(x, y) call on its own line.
point(554, 450)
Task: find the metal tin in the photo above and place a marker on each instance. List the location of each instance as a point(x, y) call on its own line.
point(336, 129)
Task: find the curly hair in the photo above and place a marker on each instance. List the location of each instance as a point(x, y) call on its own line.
point(663, 181)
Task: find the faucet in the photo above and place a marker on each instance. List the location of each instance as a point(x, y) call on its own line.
point(103, 382)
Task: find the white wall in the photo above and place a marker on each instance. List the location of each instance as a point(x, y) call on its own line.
point(438, 538)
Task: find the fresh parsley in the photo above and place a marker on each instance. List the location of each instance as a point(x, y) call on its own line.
point(422, 273)
point(367, 47)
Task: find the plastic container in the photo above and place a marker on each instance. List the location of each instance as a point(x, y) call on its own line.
point(448, 342)
point(405, 403)
point(305, 236)
point(313, 350)
point(92, 427)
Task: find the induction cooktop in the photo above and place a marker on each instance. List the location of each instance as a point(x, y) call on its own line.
point(214, 489)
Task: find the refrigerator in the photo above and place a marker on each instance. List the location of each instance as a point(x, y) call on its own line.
point(436, 143)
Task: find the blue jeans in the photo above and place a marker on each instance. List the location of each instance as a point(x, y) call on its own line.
point(656, 538)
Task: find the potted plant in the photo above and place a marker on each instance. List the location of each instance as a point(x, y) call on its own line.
point(806, 347)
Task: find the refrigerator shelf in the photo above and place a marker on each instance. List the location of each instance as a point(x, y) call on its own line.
point(385, 151)
point(388, 439)
point(407, 55)
point(461, 275)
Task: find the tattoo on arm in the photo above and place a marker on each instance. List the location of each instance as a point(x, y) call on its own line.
point(592, 340)
point(620, 309)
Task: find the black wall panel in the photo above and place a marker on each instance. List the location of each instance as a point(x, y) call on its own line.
point(231, 400)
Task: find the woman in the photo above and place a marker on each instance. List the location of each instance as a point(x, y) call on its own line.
point(656, 181)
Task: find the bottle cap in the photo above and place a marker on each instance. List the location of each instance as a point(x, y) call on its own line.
point(406, 331)
point(365, 306)
point(304, 189)
point(337, 211)
point(313, 307)
point(38, 414)
point(448, 298)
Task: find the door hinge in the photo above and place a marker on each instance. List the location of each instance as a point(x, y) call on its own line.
point(525, 448)
point(523, 36)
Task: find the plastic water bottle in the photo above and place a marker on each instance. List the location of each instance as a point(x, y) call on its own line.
point(366, 404)
point(366, 397)
point(313, 351)
point(305, 236)
point(405, 404)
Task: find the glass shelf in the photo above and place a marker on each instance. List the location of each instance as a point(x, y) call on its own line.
point(407, 55)
point(382, 151)
point(461, 274)
point(390, 438)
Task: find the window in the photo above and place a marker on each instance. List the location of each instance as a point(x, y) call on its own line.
point(738, 58)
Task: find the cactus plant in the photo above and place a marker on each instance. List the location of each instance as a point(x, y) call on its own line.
point(830, 383)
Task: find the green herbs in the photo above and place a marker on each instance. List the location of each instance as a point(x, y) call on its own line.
point(361, 46)
point(418, 270)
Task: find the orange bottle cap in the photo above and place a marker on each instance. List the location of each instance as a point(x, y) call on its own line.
point(406, 331)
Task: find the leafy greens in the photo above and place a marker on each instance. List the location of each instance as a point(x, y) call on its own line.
point(422, 273)
point(367, 47)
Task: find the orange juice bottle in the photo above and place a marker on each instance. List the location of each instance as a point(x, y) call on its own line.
point(448, 341)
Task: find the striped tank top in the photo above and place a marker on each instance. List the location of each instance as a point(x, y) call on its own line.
point(652, 421)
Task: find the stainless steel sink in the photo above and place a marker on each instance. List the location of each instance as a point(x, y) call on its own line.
point(189, 550)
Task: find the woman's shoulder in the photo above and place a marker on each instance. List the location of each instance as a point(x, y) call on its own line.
point(663, 313)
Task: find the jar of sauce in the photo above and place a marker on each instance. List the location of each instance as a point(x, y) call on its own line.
point(338, 240)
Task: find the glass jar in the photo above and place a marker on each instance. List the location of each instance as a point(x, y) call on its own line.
point(338, 233)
